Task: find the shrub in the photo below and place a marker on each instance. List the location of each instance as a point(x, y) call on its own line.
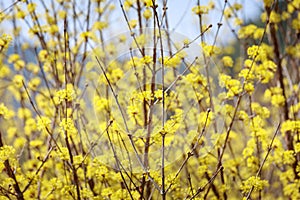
point(90, 113)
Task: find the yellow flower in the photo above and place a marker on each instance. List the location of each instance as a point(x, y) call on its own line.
point(100, 25)
point(24, 113)
point(128, 4)
point(20, 14)
point(289, 157)
point(101, 103)
point(278, 100)
point(158, 94)
point(66, 94)
point(43, 55)
point(210, 50)
point(141, 40)
point(238, 22)
point(122, 38)
point(247, 31)
point(5, 112)
point(133, 23)
point(13, 58)
point(196, 79)
point(34, 83)
point(19, 64)
point(237, 6)
point(5, 39)
point(200, 10)
point(87, 34)
point(247, 74)
point(4, 71)
point(227, 61)
point(30, 125)
point(258, 33)
point(31, 7)
point(254, 182)
point(6, 153)
point(172, 61)
point(132, 111)
point(253, 51)
point(67, 126)
point(149, 3)
point(18, 81)
point(62, 14)
point(43, 123)
point(290, 125)
point(234, 86)
point(116, 75)
point(63, 154)
point(147, 14)
point(147, 60)
point(228, 12)
point(249, 87)
point(274, 17)
point(53, 29)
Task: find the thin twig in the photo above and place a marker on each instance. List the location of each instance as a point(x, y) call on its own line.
point(9, 7)
point(199, 190)
point(126, 126)
point(38, 170)
point(270, 147)
point(191, 152)
point(39, 115)
point(11, 174)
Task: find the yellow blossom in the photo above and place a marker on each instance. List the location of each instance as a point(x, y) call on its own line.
point(288, 157)
point(133, 23)
point(238, 22)
point(210, 50)
point(227, 61)
point(20, 14)
point(13, 58)
point(31, 7)
point(254, 182)
point(5, 39)
point(147, 14)
point(101, 104)
point(43, 55)
point(172, 61)
point(62, 14)
point(100, 25)
point(34, 83)
point(149, 3)
point(247, 31)
point(43, 123)
point(6, 153)
point(18, 80)
point(290, 125)
point(66, 94)
point(147, 59)
point(67, 126)
point(4, 71)
point(5, 112)
point(200, 10)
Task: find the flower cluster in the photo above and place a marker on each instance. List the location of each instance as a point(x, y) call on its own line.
point(97, 105)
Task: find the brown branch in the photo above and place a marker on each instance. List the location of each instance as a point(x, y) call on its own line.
point(270, 147)
point(11, 174)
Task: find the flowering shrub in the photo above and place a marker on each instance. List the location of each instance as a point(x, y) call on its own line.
point(148, 113)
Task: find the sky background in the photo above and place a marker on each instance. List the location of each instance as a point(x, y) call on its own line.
point(181, 19)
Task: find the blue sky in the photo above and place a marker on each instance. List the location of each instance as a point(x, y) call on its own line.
point(189, 22)
point(181, 19)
